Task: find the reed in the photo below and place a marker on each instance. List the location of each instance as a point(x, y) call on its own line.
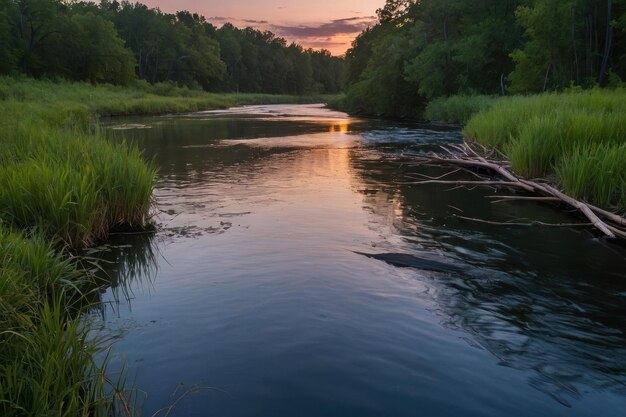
point(71, 98)
point(596, 173)
point(457, 109)
point(544, 140)
point(72, 185)
point(575, 138)
point(46, 360)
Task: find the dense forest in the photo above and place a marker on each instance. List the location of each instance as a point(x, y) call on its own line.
point(118, 42)
point(417, 51)
point(424, 49)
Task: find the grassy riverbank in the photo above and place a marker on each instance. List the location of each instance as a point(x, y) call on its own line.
point(64, 187)
point(139, 98)
point(457, 110)
point(46, 359)
point(576, 139)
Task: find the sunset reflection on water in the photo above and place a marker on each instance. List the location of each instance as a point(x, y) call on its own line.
point(341, 127)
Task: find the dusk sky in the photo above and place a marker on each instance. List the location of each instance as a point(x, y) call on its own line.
point(329, 24)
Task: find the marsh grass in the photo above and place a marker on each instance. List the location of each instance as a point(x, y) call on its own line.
point(83, 100)
point(575, 137)
point(72, 185)
point(62, 187)
point(46, 360)
point(49, 369)
point(596, 173)
point(457, 109)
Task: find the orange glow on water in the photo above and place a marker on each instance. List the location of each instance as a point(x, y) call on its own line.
point(341, 127)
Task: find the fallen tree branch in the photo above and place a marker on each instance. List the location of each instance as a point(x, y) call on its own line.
point(619, 232)
point(489, 183)
point(529, 224)
point(606, 222)
point(584, 209)
point(521, 198)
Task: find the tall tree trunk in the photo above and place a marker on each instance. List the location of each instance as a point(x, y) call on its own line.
point(22, 12)
point(140, 64)
point(576, 72)
point(589, 58)
point(608, 41)
point(545, 78)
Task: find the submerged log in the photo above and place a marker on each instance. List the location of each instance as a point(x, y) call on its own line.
point(424, 261)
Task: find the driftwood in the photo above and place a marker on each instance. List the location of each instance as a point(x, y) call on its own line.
point(524, 224)
point(501, 198)
point(464, 157)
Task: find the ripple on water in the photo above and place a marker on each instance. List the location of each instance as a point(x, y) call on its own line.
point(259, 288)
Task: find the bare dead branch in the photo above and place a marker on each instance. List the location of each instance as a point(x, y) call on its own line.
point(595, 220)
point(501, 198)
point(519, 224)
point(489, 183)
point(467, 157)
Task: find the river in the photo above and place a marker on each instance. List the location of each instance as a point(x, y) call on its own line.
point(298, 271)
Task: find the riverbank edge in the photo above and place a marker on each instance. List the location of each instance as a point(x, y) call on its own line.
point(573, 139)
point(48, 354)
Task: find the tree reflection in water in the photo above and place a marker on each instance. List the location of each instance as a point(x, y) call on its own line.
point(524, 296)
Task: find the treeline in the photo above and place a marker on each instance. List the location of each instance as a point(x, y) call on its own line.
point(118, 42)
point(420, 50)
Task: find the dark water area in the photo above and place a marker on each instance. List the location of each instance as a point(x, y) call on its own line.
point(297, 270)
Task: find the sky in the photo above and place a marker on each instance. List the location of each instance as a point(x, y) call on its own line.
point(328, 24)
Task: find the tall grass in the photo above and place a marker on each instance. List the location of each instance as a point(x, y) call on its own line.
point(545, 139)
point(457, 109)
point(596, 173)
point(577, 138)
point(46, 355)
point(71, 98)
point(70, 184)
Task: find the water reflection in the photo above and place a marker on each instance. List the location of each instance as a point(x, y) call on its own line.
point(260, 289)
point(547, 301)
point(124, 267)
point(341, 127)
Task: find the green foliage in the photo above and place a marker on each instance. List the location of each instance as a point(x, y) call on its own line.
point(116, 42)
point(457, 109)
point(327, 71)
point(545, 138)
point(393, 10)
point(358, 56)
point(544, 61)
point(382, 89)
point(7, 50)
point(458, 47)
point(258, 61)
point(59, 200)
point(166, 47)
point(99, 54)
point(449, 47)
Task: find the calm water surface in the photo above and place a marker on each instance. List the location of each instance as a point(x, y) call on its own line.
point(256, 282)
